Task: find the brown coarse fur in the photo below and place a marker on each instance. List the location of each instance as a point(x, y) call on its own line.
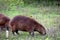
point(27, 24)
point(4, 21)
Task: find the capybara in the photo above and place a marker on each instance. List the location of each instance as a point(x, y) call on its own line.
point(27, 24)
point(4, 21)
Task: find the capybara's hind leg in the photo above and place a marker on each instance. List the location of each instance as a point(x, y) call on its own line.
point(13, 33)
point(17, 32)
point(32, 33)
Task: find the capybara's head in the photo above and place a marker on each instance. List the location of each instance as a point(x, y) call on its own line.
point(41, 29)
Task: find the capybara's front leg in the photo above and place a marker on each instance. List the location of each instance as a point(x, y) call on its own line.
point(13, 29)
point(31, 33)
point(13, 32)
point(17, 32)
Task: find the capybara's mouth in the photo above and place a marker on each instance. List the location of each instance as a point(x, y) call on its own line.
point(43, 34)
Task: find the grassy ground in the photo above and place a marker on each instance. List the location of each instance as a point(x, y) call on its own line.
point(47, 16)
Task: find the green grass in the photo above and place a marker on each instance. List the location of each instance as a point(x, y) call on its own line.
point(47, 16)
point(23, 36)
